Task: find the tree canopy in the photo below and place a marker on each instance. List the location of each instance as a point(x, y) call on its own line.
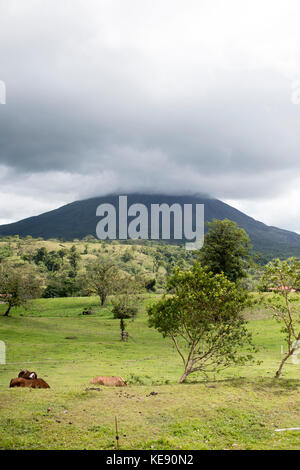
point(102, 278)
point(18, 285)
point(226, 249)
point(282, 279)
point(202, 316)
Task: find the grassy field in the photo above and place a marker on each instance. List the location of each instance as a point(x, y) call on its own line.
point(238, 409)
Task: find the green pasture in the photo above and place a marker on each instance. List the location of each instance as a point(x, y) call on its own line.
point(237, 409)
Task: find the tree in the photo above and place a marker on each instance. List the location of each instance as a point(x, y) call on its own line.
point(62, 253)
point(202, 316)
point(226, 249)
point(5, 252)
point(157, 261)
point(74, 257)
point(125, 302)
point(53, 261)
point(41, 255)
point(64, 284)
point(102, 278)
point(17, 286)
point(150, 285)
point(282, 278)
point(126, 256)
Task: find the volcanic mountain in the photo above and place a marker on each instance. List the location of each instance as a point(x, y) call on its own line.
point(78, 219)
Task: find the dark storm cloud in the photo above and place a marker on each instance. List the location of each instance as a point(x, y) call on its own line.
point(103, 96)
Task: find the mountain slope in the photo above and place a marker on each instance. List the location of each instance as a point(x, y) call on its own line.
point(78, 219)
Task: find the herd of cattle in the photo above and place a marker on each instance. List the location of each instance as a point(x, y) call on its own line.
point(30, 379)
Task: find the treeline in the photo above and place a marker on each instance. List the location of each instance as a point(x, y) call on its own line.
point(63, 271)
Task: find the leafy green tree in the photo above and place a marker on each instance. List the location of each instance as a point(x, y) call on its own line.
point(5, 251)
point(126, 256)
point(102, 278)
point(202, 316)
point(157, 261)
point(282, 278)
point(125, 302)
point(64, 284)
point(74, 258)
point(150, 285)
point(53, 261)
point(18, 286)
point(226, 249)
point(40, 255)
point(62, 253)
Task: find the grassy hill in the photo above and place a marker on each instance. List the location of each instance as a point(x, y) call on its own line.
point(78, 219)
point(150, 260)
point(238, 409)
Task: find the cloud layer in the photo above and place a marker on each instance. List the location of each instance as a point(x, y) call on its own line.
point(144, 95)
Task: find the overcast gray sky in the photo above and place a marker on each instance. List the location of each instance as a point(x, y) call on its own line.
point(173, 96)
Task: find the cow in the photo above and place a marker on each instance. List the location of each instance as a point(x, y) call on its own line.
point(109, 381)
point(26, 374)
point(32, 383)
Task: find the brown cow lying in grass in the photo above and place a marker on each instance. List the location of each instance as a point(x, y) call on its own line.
point(32, 383)
point(28, 379)
point(26, 374)
point(110, 381)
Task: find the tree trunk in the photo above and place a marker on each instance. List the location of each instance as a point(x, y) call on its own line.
point(102, 300)
point(7, 311)
point(186, 373)
point(277, 375)
point(183, 378)
point(122, 327)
